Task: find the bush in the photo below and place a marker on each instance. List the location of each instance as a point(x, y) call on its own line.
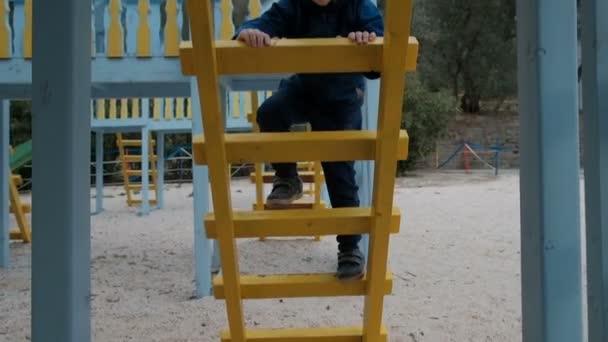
point(426, 115)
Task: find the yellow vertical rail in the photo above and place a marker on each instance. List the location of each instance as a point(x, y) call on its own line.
point(227, 25)
point(255, 8)
point(259, 167)
point(124, 109)
point(201, 12)
point(17, 209)
point(143, 30)
point(101, 109)
point(156, 108)
point(115, 31)
point(125, 167)
point(5, 43)
point(112, 109)
point(135, 108)
point(179, 108)
point(189, 109)
point(168, 109)
point(398, 22)
point(27, 30)
point(171, 30)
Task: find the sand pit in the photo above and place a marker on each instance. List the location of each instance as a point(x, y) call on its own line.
point(456, 266)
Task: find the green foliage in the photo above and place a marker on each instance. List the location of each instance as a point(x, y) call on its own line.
point(469, 47)
point(426, 117)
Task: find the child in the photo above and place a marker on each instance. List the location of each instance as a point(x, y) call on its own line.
point(330, 102)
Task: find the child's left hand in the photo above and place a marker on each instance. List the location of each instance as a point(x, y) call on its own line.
point(362, 38)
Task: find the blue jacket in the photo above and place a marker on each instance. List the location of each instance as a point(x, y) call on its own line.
point(305, 19)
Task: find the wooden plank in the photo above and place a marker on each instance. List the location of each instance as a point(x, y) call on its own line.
point(5, 32)
point(303, 222)
point(396, 53)
point(112, 114)
point(296, 146)
point(201, 18)
point(27, 30)
point(347, 334)
point(139, 172)
point(298, 286)
point(316, 55)
point(171, 30)
point(144, 48)
point(306, 176)
point(137, 158)
point(124, 109)
point(115, 30)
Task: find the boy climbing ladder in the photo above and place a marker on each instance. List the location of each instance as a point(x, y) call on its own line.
point(391, 57)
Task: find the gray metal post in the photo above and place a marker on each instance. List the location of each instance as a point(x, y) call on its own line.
point(160, 167)
point(595, 100)
point(144, 209)
point(61, 171)
point(200, 184)
point(98, 172)
point(550, 209)
point(4, 174)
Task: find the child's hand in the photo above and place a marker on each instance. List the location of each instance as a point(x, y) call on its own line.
point(254, 38)
point(362, 38)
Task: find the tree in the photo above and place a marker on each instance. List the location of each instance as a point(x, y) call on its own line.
point(468, 46)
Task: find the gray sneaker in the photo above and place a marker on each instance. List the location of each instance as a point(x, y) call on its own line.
point(285, 191)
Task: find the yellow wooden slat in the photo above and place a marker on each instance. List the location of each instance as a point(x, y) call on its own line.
point(124, 109)
point(5, 41)
point(284, 223)
point(171, 30)
point(27, 30)
point(101, 109)
point(139, 172)
point(227, 30)
point(297, 286)
point(17, 206)
point(259, 167)
point(346, 334)
point(285, 147)
point(137, 158)
point(189, 110)
point(392, 88)
point(156, 108)
point(26, 208)
point(135, 111)
point(112, 109)
point(179, 108)
point(168, 109)
point(115, 30)
point(143, 30)
point(138, 187)
point(236, 111)
point(316, 55)
point(255, 8)
point(124, 166)
point(268, 177)
point(201, 17)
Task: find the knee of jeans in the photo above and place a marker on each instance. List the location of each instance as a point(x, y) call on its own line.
point(264, 117)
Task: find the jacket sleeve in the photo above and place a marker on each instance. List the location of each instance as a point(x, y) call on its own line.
point(274, 22)
point(370, 20)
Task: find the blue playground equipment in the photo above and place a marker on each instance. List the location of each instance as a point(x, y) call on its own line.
point(108, 61)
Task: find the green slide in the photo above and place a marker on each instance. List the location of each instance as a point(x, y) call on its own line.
point(22, 155)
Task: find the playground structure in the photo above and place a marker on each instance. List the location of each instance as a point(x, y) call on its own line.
point(19, 156)
point(551, 302)
point(472, 155)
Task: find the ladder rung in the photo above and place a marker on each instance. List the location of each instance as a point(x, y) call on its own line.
point(26, 208)
point(135, 142)
point(15, 235)
point(297, 286)
point(299, 204)
point(139, 172)
point(306, 222)
point(315, 55)
point(307, 177)
point(17, 180)
point(136, 158)
point(139, 187)
point(295, 146)
point(138, 201)
point(347, 334)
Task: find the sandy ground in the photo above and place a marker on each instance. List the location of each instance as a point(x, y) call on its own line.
point(456, 266)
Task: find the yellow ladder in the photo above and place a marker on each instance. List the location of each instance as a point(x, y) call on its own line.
point(19, 209)
point(205, 59)
point(128, 160)
point(310, 172)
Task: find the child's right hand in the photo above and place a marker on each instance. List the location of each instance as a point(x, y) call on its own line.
point(254, 38)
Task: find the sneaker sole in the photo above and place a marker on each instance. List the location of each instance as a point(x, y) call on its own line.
point(274, 203)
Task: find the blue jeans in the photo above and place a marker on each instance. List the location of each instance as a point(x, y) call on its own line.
point(290, 105)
